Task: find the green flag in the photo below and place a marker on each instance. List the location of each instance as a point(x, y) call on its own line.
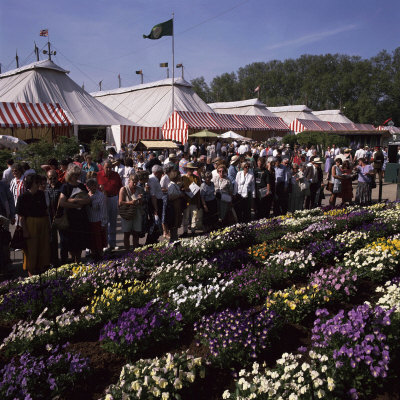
point(160, 30)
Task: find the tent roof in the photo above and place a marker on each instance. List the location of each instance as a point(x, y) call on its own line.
point(290, 113)
point(332, 116)
point(163, 82)
point(44, 64)
point(150, 104)
point(295, 108)
point(46, 82)
point(244, 107)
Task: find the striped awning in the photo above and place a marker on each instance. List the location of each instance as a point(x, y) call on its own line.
point(274, 123)
point(135, 133)
point(324, 125)
point(228, 121)
point(252, 122)
point(198, 120)
point(388, 128)
point(349, 126)
point(337, 126)
point(365, 127)
point(310, 125)
point(32, 115)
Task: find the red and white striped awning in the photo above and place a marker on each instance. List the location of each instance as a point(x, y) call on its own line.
point(349, 126)
point(388, 128)
point(32, 115)
point(252, 122)
point(136, 133)
point(325, 126)
point(228, 121)
point(337, 126)
point(274, 123)
point(365, 127)
point(301, 125)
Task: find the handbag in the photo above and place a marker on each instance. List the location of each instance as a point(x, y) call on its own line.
point(127, 211)
point(61, 222)
point(304, 186)
point(263, 192)
point(18, 241)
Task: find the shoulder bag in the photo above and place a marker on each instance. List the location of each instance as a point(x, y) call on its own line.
point(127, 211)
point(60, 222)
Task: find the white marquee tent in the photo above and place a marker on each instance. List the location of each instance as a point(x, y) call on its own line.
point(150, 104)
point(244, 107)
point(46, 82)
point(290, 113)
point(332, 116)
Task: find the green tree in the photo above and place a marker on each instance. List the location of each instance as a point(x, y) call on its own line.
point(37, 154)
point(66, 147)
point(199, 85)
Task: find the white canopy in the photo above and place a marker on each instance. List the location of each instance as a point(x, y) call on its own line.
point(332, 116)
point(244, 107)
point(233, 135)
point(46, 82)
point(290, 113)
point(150, 104)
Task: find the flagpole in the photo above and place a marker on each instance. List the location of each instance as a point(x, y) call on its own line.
point(173, 65)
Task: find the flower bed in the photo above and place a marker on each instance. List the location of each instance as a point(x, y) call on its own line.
point(228, 302)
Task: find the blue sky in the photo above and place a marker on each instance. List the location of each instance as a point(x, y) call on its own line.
point(96, 40)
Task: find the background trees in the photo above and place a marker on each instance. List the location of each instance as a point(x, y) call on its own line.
point(367, 90)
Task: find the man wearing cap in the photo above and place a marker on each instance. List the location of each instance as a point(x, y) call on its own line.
point(182, 163)
point(171, 159)
point(191, 215)
point(110, 183)
point(314, 175)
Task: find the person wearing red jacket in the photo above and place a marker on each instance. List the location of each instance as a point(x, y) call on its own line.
point(110, 183)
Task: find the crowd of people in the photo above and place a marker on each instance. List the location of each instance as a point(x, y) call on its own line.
point(73, 205)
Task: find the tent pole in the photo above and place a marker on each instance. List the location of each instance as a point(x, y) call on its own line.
point(173, 65)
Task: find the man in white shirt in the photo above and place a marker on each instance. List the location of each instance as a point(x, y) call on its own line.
point(243, 149)
point(7, 174)
point(263, 152)
point(360, 153)
point(193, 149)
point(335, 151)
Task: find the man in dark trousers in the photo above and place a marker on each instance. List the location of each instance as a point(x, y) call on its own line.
point(314, 175)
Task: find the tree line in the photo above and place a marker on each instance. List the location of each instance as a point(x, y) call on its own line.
point(366, 90)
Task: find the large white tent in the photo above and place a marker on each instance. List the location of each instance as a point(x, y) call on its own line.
point(150, 104)
point(290, 113)
point(332, 116)
point(244, 107)
point(46, 82)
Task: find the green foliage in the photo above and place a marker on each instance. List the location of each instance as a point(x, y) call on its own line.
point(291, 140)
point(97, 148)
point(66, 147)
point(322, 139)
point(37, 154)
point(367, 90)
point(5, 155)
point(40, 152)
